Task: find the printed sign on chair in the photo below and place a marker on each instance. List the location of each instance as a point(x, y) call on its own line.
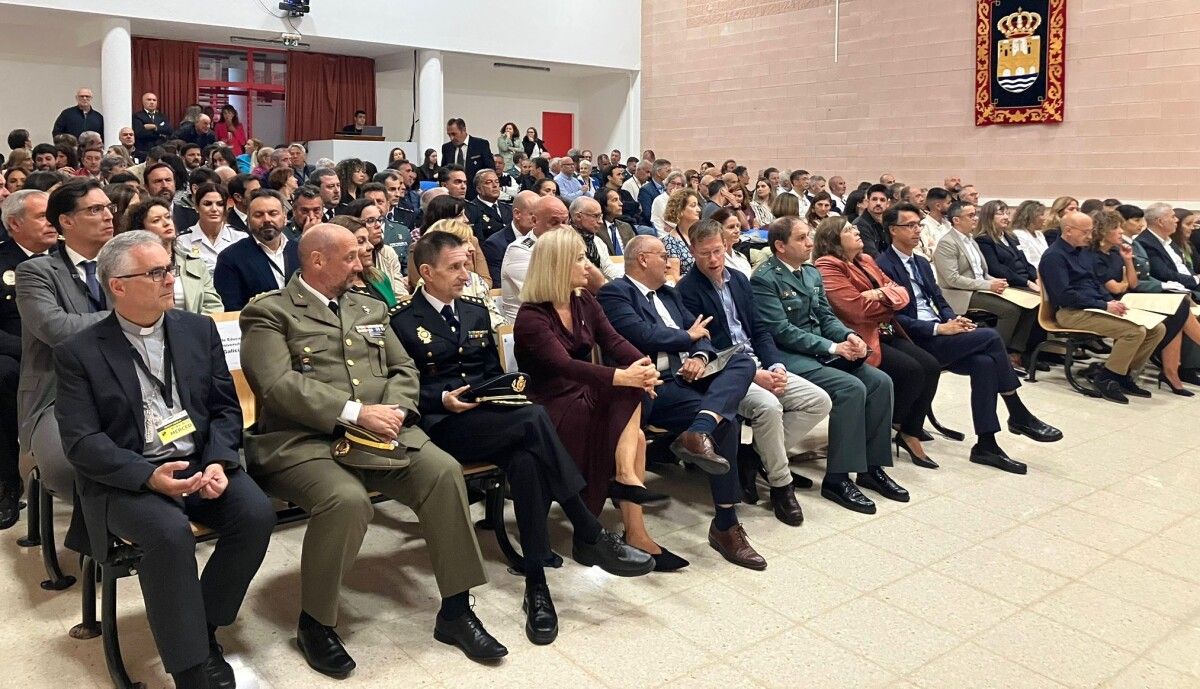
point(1020, 57)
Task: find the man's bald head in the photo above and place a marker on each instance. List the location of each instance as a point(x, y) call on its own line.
point(548, 214)
point(431, 194)
point(1076, 228)
point(322, 238)
point(522, 210)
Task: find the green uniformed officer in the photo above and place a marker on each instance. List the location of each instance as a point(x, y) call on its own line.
point(789, 297)
point(317, 356)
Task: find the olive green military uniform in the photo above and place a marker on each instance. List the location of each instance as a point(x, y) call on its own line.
point(304, 362)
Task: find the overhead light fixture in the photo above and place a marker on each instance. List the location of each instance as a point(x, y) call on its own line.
point(295, 8)
point(513, 65)
point(289, 42)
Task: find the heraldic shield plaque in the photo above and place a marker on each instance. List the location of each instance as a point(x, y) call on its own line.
point(1020, 58)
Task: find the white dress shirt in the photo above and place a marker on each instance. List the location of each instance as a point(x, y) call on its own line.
point(512, 274)
point(663, 362)
point(279, 267)
point(78, 260)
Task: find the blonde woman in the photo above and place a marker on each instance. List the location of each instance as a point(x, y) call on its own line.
point(597, 409)
point(1061, 206)
point(760, 201)
point(475, 287)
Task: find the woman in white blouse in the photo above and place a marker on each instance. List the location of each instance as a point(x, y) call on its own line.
point(1027, 224)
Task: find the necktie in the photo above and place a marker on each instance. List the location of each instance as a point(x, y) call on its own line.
point(616, 239)
point(333, 306)
point(93, 285)
point(448, 314)
point(458, 157)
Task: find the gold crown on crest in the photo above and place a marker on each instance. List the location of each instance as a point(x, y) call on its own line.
point(1019, 24)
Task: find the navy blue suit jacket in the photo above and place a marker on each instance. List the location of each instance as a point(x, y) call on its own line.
point(494, 248)
point(476, 156)
point(889, 261)
point(1162, 268)
point(646, 198)
point(637, 321)
point(1005, 260)
point(243, 271)
point(701, 298)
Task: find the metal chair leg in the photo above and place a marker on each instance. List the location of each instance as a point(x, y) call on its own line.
point(108, 626)
point(495, 511)
point(33, 517)
point(56, 581)
point(947, 432)
point(1031, 374)
point(1068, 365)
point(89, 627)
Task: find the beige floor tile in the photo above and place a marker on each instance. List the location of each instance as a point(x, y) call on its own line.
point(1084, 528)
point(1178, 651)
point(1001, 575)
point(1171, 596)
point(1054, 650)
point(853, 562)
point(1050, 551)
point(1119, 509)
point(909, 538)
point(1168, 556)
point(790, 588)
point(950, 604)
point(1010, 501)
point(716, 618)
point(636, 649)
point(1143, 674)
point(720, 675)
point(532, 666)
point(972, 667)
point(959, 518)
point(1153, 490)
point(801, 658)
point(885, 635)
point(1185, 531)
point(1123, 624)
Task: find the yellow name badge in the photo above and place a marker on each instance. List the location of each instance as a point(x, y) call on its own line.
point(175, 427)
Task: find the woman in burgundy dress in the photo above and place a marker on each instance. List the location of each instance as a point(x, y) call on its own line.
point(597, 409)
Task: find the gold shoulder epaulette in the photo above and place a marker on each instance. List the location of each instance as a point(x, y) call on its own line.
point(404, 303)
point(473, 300)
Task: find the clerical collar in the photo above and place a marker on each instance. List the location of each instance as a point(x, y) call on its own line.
point(132, 328)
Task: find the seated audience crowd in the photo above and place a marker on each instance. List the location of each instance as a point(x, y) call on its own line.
point(642, 304)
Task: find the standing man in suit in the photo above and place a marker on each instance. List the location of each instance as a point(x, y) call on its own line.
point(701, 409)
point(30, 235)
point(450, 335)
point(1073, 290)
point(958, 345)
point(1166, 265)
point(261, 262)
point(471, 152)
point(58, 296)
point(241, 189)
point(780, 406)
point(791, 304)
point(652, 188)
point(485, 212)
point(519, 226)
point(150, 126)
point(963, 277)
point(150, 421)
point(319, 357)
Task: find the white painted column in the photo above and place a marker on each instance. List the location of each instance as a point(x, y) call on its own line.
point(116, 77)
point(633, 114)
point(431, 124)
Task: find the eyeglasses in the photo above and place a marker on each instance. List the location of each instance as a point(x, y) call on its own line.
point(591, 214)
point(97, 209)
point(377, 220)
point(908, 225)
point(156, 274)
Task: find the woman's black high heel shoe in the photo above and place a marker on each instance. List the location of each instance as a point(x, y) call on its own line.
point(639, 494)
point(1181, 391)
point(923, 462)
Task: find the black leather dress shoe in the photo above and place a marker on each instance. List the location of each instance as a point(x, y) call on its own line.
point(612, 555)
point(875, 479)
point(1037, 429)
point(323, 650)
point(787, 509)
point(999, 460)
point(1110, 389)
point(541, 621)
point(846, 494)
point(468, 634)
point(217, 669)
point(632, 493)
point(1131, 388)
point(10, 503)
point(666, 561)
point(698, 449)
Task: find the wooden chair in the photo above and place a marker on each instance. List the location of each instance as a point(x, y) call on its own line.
point(1069, 339)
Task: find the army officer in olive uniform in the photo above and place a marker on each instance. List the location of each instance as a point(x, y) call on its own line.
point(317, 356)
point(790, 301)
point(449, 336)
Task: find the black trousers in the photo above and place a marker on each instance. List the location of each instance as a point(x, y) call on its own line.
point(10, 451)
point(523, 442)
point(979, 354)
point(1174, 324)
point(180, 605)
point(915, 374)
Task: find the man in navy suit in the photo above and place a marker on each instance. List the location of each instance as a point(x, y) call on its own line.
point(653, 187)
point(520, 225)
point(781, 407)
point(471, 152)
point(957, 344)
point(261, 262)
point(1166, 263)
point(485, 212)
point(702, 409)
point(150, 421)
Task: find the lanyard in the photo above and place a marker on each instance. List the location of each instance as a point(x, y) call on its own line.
point(164, 386)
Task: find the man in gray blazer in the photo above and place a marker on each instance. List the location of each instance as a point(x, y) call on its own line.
point(962, 275)
point(58, 296)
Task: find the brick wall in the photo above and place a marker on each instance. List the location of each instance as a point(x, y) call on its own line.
point(756, 81)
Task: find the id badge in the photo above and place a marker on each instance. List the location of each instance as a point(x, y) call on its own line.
point(175, 427)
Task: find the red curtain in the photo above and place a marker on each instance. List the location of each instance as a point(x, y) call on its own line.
point(323, 91)
point(168, 69)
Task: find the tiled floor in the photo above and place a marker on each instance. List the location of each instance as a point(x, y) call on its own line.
point(1084, 573)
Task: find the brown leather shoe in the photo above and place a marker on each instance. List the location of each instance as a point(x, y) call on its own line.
point(733, 545)
point(698, 449)
point(787, 509)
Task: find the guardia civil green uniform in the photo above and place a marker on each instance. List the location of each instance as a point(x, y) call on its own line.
point(304, 363)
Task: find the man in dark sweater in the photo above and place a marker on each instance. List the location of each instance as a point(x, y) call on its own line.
point(80, 118)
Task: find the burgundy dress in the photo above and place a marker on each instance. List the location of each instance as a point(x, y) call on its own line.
point(586, 408)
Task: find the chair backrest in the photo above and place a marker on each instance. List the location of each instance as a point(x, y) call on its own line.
point(497, 296)
point(1046, 311)
point(233, 358)
point(504, 342)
